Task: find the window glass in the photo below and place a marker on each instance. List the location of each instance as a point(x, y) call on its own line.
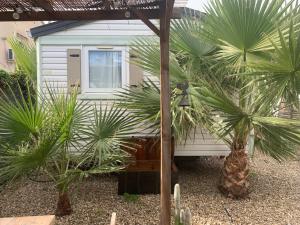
point(105, 69)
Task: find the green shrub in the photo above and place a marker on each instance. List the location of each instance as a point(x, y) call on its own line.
point(15, 81)
point(4, 79)
point(130, 197)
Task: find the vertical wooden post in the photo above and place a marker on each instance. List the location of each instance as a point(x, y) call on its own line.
point(165, 174)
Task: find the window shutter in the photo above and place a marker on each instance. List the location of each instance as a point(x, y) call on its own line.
point(74, 68)
point(136, 74)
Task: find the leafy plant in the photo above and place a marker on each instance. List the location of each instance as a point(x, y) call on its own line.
point(229, 84)
point(54, 138)
point(14, 81)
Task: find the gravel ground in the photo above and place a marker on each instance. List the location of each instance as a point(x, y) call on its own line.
point(274, 198)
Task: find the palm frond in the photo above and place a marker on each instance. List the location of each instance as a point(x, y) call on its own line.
point(277, 137)
point(21, 119)
point(244, 28)
point(228, 116)
point(24, 159)
point(186, 38)
point(143, 102)
point(148, 58)
point(25, 55)
point(108, 135)
point(281, 74)
point(69, 114)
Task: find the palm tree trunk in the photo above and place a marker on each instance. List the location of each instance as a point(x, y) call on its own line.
point(63, 204)
point(234, 180)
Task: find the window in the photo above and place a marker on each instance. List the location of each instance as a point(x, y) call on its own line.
point(10, 54)
point(105, 70)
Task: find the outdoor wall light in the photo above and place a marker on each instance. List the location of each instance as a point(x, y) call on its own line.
point(184, 102)
point(127, 14)
point(16, 16)
point(17, 12)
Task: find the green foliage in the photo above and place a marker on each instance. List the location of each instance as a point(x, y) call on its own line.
point(57, 136)
point(144, 101)
point(15, 81)
point(240, 62)
point(281, 74)
point(243, 29)
point(107, 135)
point(131, 198)
point(25, 56)
point(21, 119)
point(4, 77)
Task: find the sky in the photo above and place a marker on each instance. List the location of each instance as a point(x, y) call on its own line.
point(197, 4)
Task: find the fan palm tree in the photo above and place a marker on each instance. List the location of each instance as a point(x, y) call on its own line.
point(226, 81)
point(57, 137)
point(244, 31)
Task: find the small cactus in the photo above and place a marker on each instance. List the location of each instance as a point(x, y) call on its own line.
point(182, 216)
point(113, 219)
point(177, 204)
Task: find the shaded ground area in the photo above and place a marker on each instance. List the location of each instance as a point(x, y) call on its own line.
point(274, 198)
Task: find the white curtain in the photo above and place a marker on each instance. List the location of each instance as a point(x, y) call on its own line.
point(105, 69)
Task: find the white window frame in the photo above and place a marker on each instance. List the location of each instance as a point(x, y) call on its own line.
point(85, 70)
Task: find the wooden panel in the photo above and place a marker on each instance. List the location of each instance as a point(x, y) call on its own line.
point(201, 147)
point(199, 140)
point(74, 68)
point(202, 153)
point(136, 74)
point(28, 220)
point(146, 156)
point(142, 182)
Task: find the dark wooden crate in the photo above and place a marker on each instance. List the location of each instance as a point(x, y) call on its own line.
point(142, 175)
point(146, 182)
point(145, 152)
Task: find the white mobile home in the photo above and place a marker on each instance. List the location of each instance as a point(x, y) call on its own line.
point(69, 51)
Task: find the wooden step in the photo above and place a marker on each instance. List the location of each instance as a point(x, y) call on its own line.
point(28, 220)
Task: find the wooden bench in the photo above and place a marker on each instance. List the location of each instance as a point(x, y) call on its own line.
point(28, 220)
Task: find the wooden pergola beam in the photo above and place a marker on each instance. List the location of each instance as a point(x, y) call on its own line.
point(84, 15)
point(145, 20)
point(46, 5)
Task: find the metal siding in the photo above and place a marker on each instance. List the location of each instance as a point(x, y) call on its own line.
point(52, 64)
